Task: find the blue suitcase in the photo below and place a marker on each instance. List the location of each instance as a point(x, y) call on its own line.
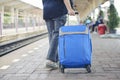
point(74, 47)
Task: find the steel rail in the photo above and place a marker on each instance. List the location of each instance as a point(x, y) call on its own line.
point(16, 44)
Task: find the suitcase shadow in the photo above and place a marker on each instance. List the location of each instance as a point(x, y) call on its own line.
point(77, 71)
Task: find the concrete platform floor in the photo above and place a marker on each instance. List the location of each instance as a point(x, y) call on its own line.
point(105, 64)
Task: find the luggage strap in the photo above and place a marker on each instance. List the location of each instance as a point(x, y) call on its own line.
point(69, 33)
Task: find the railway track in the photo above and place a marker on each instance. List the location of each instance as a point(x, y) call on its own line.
point(16, 44)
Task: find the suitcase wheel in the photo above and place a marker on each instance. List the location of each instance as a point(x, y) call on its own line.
point(61, 68)
point(88, 68)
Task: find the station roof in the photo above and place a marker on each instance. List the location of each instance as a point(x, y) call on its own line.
point(84, 7)
point(18, 4)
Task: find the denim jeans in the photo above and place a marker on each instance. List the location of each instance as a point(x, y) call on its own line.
point(53, 26)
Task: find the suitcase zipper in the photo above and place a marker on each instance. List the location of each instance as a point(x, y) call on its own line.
point(64, 47)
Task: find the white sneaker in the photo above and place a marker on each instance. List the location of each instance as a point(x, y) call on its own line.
point(94, 32)
point(50, 64)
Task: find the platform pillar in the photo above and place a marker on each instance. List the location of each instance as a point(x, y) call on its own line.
point(1, 19)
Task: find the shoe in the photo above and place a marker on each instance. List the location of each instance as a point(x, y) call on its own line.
point(51, 65)
point(94, 32)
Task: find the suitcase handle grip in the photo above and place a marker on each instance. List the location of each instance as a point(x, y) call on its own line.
point(76, 12)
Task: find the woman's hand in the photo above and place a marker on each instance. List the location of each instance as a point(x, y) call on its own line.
point(71, 12)
point(69, 8)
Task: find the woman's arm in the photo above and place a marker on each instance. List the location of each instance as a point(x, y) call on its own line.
point(69, 8)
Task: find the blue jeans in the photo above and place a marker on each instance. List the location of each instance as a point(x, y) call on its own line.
point(53, 26)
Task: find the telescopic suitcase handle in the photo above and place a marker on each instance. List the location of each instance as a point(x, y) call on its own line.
point(77, 17)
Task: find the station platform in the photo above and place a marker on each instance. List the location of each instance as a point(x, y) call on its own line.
point(105, 64)
point(11, 34)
